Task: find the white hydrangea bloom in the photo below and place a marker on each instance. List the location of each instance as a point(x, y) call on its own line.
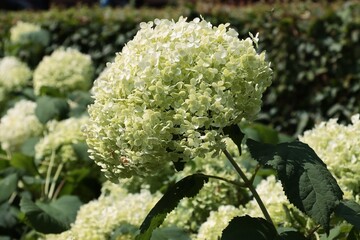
point(273, 197)
point(169, 94)
point(65, 70)
point(27, 33)
point(14, 74)
point(217, 222)
point(338, 146)
point(18, 125)
point(97, 219)
point(60, 137)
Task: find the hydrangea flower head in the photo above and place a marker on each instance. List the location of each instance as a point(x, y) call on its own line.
point(338, 146)
point(18, 125)
point(98, 219)
point(217, 221)
point(170, 92)
point(65, 70)
point(14, 74)
point(24, 33)
point(59, 139)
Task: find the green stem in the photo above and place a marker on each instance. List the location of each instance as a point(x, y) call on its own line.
point(249, 185)
point(238, 184)
point(58, 189)
point(53, 184)
point(48, 174)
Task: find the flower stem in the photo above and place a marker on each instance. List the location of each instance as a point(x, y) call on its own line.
point(249, 185)
point(238, 184)
point(48, 174)
point(53, 184)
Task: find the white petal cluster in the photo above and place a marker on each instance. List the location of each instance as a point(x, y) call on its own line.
point(14, 74)
point(58, 140)
point(170, 92)
point(65, 70)
point(97, 219)
point(24, 33)
point(338, 146)
point(19, 124)
point(217, 222)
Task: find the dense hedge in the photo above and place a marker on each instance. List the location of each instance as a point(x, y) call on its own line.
point(314, 50)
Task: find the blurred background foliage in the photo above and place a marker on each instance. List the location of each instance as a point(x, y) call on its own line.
point(313, 47)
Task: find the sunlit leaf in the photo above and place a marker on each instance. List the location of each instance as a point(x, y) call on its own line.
point(53, 217)
point(187, 187)
point(8, 186)
point(48, 108)
point(350, 211)
point(307, 182)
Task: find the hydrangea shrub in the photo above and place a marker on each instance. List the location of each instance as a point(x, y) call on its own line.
point(24, 33)
point(170, 93)
point(58, 141)
point(65, 70)
point(19, 124)
point(14, 74)
point(115, 207)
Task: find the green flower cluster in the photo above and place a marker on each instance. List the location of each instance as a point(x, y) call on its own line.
point(338, 146)
point(19, 124)
point(98, 219)
point(170, 92)
point(24, 33)
point(59, 140)
point(64, 70)
point(14, 74)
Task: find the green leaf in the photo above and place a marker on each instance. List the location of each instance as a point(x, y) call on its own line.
point(186, 187)
point(53, 217)
point(8, 216)
point(235, 134)
point(48, 108)
point(51, 91)
point(8, 186)
point(5, 238)
point(247, 227)
point(21, 161)
point(28, 147)
point(124, 229)
point(29, 93)
point(82, 100)
point(307, 182)
point(81, 151)
point(3, 164)
point(179, 165)
point(354, 234)
point(332, 235)
point(260, 133)
point(350, 211)
point(291, 235)
point(170, 233)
